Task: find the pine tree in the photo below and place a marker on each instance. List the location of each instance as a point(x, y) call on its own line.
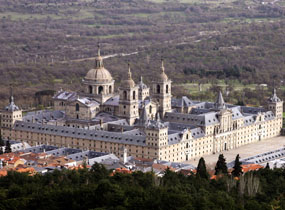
point(221, 166)
point(201, 169)
point(237, 167)
point(8, 147)
point(1, 141)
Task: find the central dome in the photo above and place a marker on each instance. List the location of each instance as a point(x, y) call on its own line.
point(99, 75)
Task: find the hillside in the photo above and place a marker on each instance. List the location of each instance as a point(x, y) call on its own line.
point(49, 44)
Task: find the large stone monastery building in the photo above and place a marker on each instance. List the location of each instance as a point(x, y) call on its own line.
point(141, 121)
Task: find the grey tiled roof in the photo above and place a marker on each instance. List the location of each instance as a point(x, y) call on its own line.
point(252, 110)
point(85, 154)
point(40, 148)
point(174, 138)
point(39, 116)
point(172, 126)
point(87, 101)
point(12, 106)
point(269, 115)
point(114, 101)
point(220, 103)
point(63, 151)
point(274, 97)
point(142, 85)
point(65, 96)
point(249, 120)
point(193, 119)
point(197, 132)
point(181, 102)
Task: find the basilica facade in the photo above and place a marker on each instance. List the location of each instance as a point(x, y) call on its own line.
point(142, 121)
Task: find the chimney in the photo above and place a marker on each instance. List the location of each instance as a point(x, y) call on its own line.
point(125, 155)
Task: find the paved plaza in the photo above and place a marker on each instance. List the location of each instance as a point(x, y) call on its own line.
point(244, 151)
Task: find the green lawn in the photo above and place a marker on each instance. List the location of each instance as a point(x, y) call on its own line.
point(194, 87)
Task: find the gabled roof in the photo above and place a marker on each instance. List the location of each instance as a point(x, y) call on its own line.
point(113, 101)
point(184, 101)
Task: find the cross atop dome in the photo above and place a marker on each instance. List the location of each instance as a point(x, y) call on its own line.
point(99, 59)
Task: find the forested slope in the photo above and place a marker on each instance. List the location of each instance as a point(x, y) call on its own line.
point(40, 39)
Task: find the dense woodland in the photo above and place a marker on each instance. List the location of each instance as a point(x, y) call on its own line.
point(42, 42)
point(96, 189)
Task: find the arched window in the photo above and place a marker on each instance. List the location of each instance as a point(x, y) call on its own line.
point(158, 88)
point(187, 136)
point(110, 89)
point(150, 109)
point(125, 95)
point(100, 90)
point(90, 89)
point(187, 145)
point(134, 95)
point(77, 107)
point(166, 88)
point(77, 116)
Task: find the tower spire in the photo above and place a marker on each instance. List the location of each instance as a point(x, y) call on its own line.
point(98, 49)
point(129, 71)
point(99, 59)
point(162, 65)
point(220, 103)
point(11, 95)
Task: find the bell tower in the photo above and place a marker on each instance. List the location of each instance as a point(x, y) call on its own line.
point(128, 102)
point(161, 91)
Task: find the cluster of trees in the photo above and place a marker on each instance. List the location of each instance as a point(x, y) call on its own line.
point(96, 189)
point(7, 148)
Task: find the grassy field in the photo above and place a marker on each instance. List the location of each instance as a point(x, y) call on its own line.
point(193, 88)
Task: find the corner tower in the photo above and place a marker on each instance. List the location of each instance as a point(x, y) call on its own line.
point(98, 82)
point(161, 91)
point(275, 105)
point(128, 102)
point(11, 113)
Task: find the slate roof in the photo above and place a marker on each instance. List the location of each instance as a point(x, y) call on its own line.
point(12, 106)
point(274, 97)
point(184, 101)
point(65, 96)
point(113, 101)
point(45, 115)
point(174, 138)
point(87, 102)
point(220, 103)
point(206, 119)
point(142, 85)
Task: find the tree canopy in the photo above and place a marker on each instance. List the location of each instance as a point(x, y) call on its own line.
point(221, 166)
